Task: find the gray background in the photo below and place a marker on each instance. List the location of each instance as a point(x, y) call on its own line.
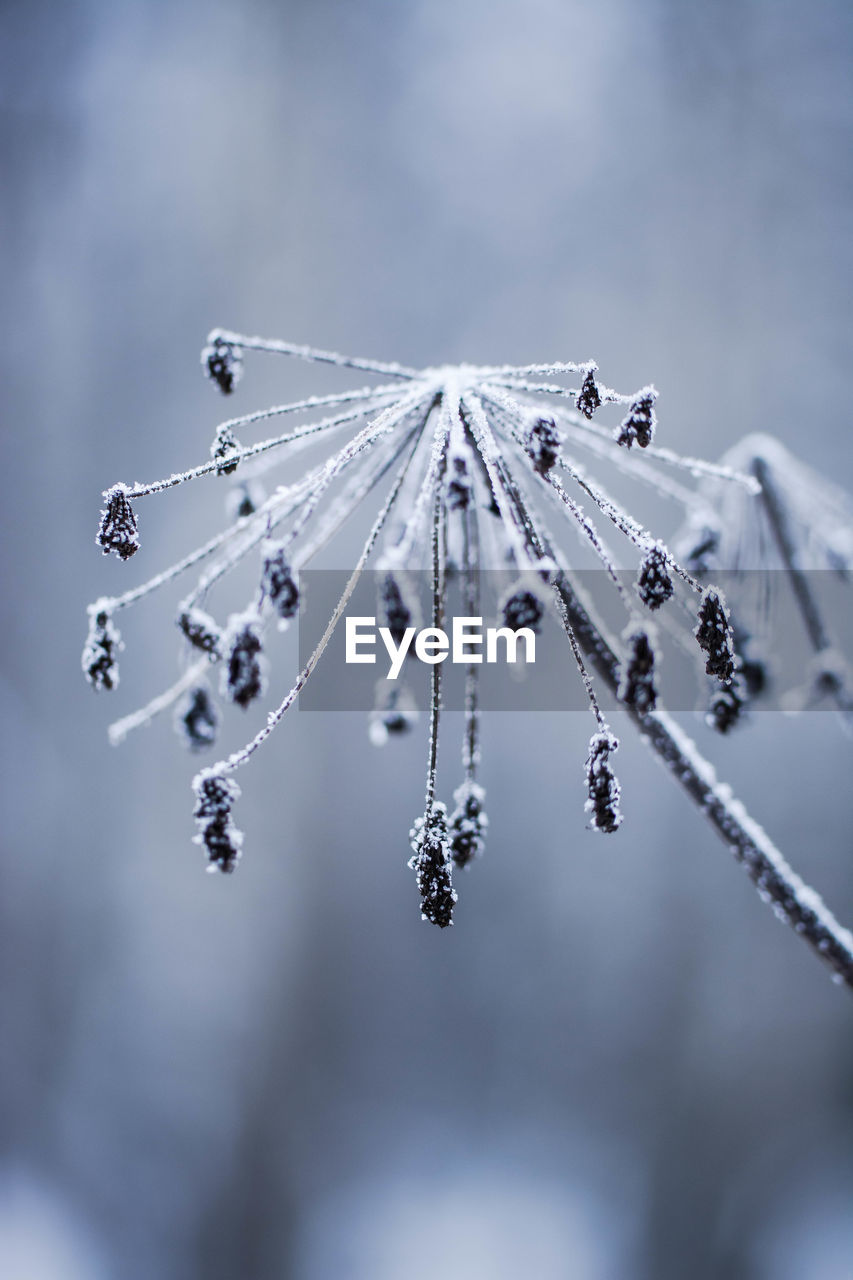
point(616, 1064)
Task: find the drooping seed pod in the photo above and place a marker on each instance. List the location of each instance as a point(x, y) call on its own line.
point(396, 609)
point(639, 424)
point(243, 499)
point(103, 643)
point(394, 715)
point(468, 824)
point(542, 443)
point(243, 675)
point(589, 396)
point(637, 686)
point(603, 790)
point(222, 363)
point(117, 531)
point(726, 707)
point(202, 632)
point(197, 719)
point(215, 796)
point(522, 608)
point(714, 635)
point(432, 866)
point(278, 584)
point(223, 449)
point(654, 583)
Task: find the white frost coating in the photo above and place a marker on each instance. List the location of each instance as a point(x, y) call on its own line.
point(721, 793)
point(478, 449)
point(119, 729)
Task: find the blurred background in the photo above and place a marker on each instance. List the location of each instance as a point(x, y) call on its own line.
point(616, 1064)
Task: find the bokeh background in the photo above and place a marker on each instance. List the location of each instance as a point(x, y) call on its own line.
point(617, 1064)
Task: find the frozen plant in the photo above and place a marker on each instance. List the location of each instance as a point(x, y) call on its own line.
point(469, 464)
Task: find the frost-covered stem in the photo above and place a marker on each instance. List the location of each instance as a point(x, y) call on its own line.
point(240, 455)
point(119, 729)
point(240, 757)
point(540, 546)
point(313, 354)
point(607, 394)
point(470, 558)
point(488, 452)
point(437, 622)
point(696, 466)
point(792, 900)
point(375, 430)
point(786, 542)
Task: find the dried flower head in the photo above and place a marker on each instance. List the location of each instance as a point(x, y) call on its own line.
point(197, 718)
point(466, 456)
point(117, 530)
point(432, 865)
point(603, 790)
point(215, 796)
point(101, 648)
point(222, 362)
point(639, 424)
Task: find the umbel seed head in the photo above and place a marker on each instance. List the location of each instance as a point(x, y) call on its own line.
point(117, 531)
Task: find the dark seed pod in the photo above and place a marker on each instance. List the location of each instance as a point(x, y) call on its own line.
point(243, 677)
point(223, 448)
point(714, 635)
point(215, 796)
point(589, 396)
point(223, 363)
point(99, 652)
point(197, 719)
point(394, 715)
point(542, 443)
point(432, 866)
point(278, 584)
point(117, 530)
point(468, 824)
point(396, 611)
point(654, 584)
point(603, 788)
point(637, 687)
point(727, 707)
point(202, 632)
point(639, 425)
point(523, 608)
point(243, 500)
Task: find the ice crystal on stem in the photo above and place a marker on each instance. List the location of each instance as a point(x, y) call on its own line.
point(483, 460)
